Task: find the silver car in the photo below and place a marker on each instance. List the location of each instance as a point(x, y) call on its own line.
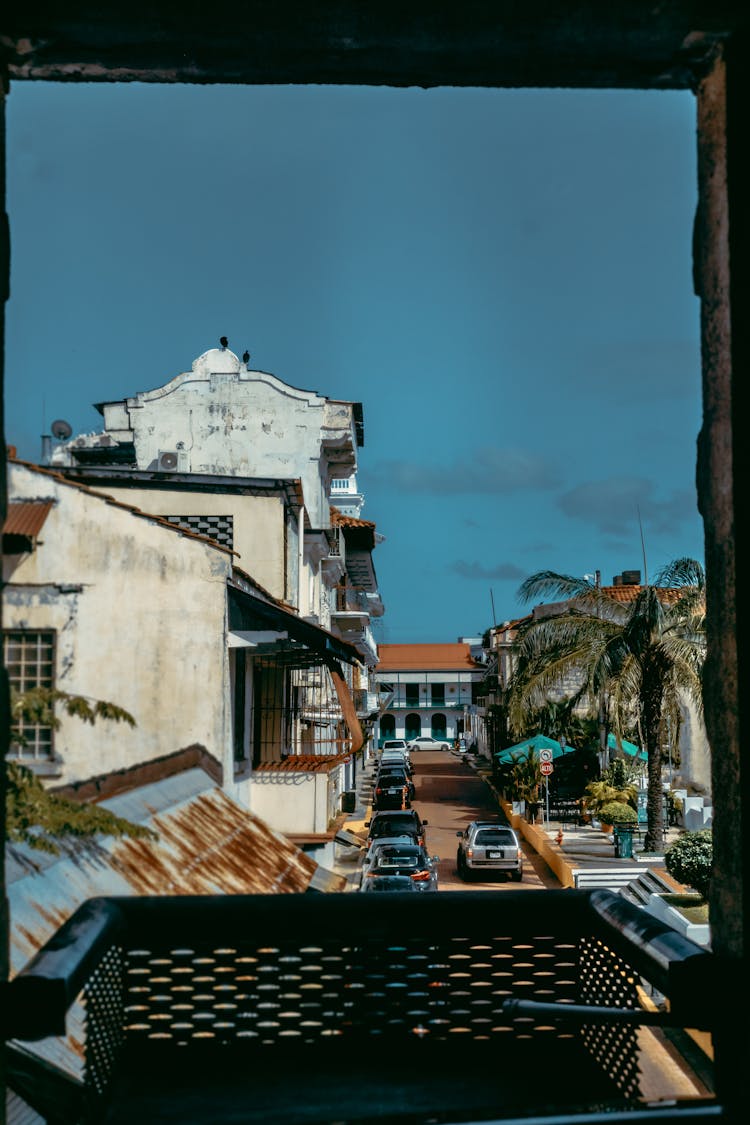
point(489, 846)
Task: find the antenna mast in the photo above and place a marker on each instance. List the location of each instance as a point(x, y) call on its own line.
point(643, 547)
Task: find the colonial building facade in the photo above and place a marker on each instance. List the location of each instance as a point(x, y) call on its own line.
point(427, 689)
point(234, 467)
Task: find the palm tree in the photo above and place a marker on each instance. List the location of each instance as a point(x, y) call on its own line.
point(644, 657)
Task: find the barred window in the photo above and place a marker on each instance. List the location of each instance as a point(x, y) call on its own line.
point(29, 657)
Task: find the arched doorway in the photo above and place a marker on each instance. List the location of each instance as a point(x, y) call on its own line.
point(387, 728)
point(413, 727)
point(439, 726)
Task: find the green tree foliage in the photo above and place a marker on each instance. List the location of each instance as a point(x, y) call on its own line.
point(643, 657)
point(42, 705)
point(36, 817)
point(601, 793)
point(519, 778)
point(690, 860)
point(41, 819)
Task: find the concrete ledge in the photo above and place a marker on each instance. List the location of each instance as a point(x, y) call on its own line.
point(552, 855)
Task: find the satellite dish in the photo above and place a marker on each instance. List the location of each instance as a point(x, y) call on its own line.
point(61, 429)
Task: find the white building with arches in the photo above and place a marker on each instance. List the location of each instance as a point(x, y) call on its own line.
point(427, 689)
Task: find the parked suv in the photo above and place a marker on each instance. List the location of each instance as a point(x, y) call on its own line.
point(487, 846)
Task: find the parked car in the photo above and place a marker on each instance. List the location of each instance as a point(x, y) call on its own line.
point(489, 846)
point(427, 742)
point(396, 757)
point(395, 769)
point(394, 744)
point(389, 883)
point(402, 822)
point(378, 842)
point(404, 859)
point(393, 790)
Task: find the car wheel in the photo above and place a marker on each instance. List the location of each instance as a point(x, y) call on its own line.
point(517, 876)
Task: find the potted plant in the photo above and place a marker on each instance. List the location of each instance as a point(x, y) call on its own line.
point(689, 860)
point(617, 812)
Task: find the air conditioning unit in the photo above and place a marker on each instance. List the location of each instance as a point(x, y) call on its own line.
point(172, 461)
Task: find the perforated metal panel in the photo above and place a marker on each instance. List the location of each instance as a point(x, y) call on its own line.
point(103, 999)
point(607, 980)
point(454, 988)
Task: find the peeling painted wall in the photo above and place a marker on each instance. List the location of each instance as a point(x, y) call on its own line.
point(140, 615)
point(222, 418)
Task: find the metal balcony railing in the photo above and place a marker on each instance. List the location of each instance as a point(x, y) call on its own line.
point(457, 1005)
point(350, 599)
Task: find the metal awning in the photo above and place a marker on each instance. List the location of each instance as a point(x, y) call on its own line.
point(250, 614)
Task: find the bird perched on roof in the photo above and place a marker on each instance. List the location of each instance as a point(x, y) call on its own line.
point(224, 342)
point(245, 357)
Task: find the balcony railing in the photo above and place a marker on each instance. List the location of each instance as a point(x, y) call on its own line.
point(457, 1005)
point(350, 599)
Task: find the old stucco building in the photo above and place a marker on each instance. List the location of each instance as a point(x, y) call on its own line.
point(242, 459)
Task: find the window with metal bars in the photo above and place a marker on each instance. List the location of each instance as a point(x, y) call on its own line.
point(295, 710)
point(29, 657)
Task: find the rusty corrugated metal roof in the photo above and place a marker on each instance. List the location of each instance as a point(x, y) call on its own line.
point(26, 517)
point(303, 763)
point(208, 844)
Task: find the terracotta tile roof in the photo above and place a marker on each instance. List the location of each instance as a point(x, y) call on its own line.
point(26, 517)
point(303, 763)
point(423, 657)
point(338, 519)
point(630, 593)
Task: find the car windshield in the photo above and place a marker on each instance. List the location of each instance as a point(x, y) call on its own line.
point(389, 883)
point(495, 837)
point(393, 826)
point(400, 862)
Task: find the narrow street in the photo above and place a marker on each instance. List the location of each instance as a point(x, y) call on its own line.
point(449, 794)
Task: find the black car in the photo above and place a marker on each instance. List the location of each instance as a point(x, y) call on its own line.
point(387, 773)
point(403, 822)
point(390, 883)
point(393, 790)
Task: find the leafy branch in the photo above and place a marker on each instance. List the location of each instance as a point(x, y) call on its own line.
point(39, 818)
point(36, 817)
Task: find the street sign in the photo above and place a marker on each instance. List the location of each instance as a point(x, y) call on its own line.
point(545, 754)
point(546, 768)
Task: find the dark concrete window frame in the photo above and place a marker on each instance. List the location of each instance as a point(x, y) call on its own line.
point(700, 46)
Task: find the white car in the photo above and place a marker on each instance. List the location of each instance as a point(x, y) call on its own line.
point(427, 742)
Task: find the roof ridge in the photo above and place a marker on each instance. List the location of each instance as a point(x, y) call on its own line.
point(61, 479)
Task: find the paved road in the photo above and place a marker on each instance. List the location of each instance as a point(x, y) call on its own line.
point(449, 794)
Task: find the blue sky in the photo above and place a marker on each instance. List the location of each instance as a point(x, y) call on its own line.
point(502, 278)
